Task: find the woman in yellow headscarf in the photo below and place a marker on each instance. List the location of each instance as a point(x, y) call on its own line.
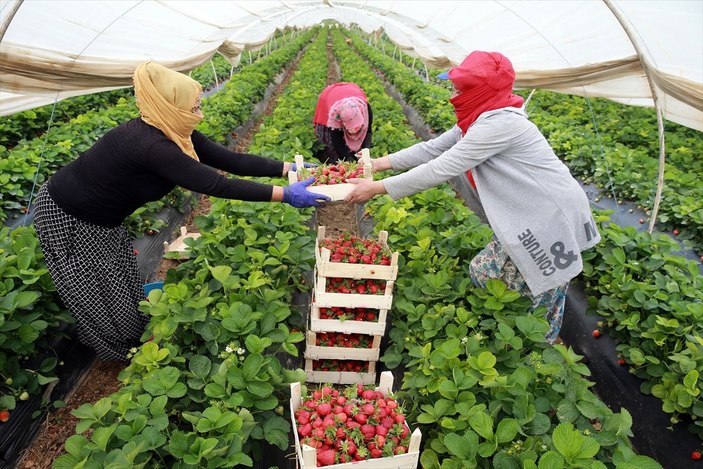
point(79, 212)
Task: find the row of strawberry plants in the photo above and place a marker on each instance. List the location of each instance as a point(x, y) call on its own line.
point(431, 101)
point(622, 155)
point(651, 298)
point(31, 123)
point(223, 317)
point(30, 319)
point(30, 315)
point(486, 388)
point(652, 303)
point(288, 130)
point(482, 382)
point(208, 390)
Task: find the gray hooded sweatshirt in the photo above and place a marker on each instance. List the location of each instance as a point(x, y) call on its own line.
point(537, 210)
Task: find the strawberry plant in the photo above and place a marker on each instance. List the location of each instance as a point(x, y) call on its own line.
point(30, 316)
point(651, 303)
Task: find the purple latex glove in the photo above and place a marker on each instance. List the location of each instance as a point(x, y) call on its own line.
point(299, 196)
point(294, 167)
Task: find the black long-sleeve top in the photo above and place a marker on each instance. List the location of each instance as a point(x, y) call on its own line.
point(135, 163)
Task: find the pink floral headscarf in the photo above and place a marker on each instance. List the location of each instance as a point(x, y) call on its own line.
point(350, 114)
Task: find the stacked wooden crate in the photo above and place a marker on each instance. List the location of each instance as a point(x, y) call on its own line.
point(361, 304)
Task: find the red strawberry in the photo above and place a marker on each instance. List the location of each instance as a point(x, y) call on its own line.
point(368, 409)
point(361, 418)
point(305, 430)
point(303, 417)
point(4, 415)
point(596, 333)
point(326, 457)
point(696, 455)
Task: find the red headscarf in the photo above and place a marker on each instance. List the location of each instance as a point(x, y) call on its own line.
point(485, 82)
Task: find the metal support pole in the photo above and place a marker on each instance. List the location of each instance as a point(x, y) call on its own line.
point(6, 23)
point(214, 73)
point(657, 107)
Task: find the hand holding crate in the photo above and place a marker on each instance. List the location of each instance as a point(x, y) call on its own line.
point(330, 180)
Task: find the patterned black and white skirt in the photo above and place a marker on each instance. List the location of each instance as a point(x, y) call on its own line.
point(96, 274)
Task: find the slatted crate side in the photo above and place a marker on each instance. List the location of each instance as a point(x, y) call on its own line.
point(348, 326)
point(307, 455)
point(336, 192)
point(351, 300)
point(317, 352)
point(340, 377)
point(326, 268)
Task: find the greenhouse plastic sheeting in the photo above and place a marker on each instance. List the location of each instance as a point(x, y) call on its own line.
point(55, 49)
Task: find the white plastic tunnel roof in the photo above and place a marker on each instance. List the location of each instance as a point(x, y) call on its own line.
point(600, 48)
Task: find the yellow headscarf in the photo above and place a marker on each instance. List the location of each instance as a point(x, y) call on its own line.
point(165, 99)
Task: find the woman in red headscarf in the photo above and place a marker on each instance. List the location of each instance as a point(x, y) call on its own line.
point(539, 214)
point(342, 123)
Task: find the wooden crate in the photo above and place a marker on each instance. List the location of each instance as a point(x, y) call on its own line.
point(336, 192)
point(317, 352)
point(178, 245)
point(340, 377)
point(323, 298)
point(326, 268)
point(348, 326)
point(307, 455)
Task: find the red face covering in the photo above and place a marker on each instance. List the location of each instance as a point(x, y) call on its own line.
point(485, 82)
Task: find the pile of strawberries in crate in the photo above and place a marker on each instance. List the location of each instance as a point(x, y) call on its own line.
point(343, 314)
point(355, 250)
point(333, 174)
point(354, 424)
point(353, 292)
